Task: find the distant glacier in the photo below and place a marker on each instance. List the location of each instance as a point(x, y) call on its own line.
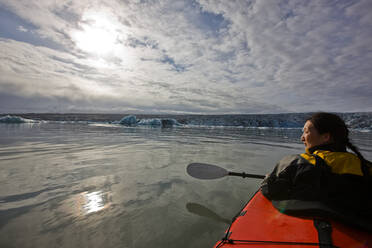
point(359, 121)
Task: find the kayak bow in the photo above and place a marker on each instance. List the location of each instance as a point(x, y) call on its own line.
point(259, 224)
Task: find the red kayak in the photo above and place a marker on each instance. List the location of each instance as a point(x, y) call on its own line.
point(260, 224)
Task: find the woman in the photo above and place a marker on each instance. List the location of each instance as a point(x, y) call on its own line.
point(326, 172)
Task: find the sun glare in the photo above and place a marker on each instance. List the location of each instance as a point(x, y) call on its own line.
point(99, 34)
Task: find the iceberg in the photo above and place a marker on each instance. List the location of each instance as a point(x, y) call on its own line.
point(15, 120)
point(157, 122)
point(150, 122)
point(169, 123)
point(130, 120)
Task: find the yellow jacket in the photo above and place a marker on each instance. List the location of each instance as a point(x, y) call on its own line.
point(339, 162)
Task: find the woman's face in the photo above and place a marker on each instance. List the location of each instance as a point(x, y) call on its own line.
point(311, 137)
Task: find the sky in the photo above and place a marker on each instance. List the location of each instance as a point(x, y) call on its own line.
point(185, 57)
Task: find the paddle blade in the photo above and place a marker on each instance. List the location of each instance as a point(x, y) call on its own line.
point(206, 171)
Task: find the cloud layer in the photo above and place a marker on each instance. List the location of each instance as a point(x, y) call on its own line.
point(185, 56)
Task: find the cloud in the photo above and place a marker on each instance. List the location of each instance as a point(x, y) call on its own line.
point(22, 29)
point(189, 56)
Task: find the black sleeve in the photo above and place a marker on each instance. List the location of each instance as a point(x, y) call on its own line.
point(294, 178)
point(278, 184)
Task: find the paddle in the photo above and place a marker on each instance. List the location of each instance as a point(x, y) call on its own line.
point(210, 171)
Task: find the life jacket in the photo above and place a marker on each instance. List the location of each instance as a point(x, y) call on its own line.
point(339, 162)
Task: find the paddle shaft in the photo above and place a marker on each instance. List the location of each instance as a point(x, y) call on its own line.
point(210, 171)
point(245, 175)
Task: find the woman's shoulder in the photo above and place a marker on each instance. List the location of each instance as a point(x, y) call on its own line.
point(340, 162)
point(290, 161)
point(293, 159)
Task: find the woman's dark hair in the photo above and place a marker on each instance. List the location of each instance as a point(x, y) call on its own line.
point(336, 127)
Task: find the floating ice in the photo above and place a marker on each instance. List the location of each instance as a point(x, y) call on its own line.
point(169, 123)
point(150, 122)
point(129, 120)
point(157, 122)
point(15, 119)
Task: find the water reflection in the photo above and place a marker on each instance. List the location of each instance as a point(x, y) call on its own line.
point(203, 211)
point(94, 202)
point(87, 203)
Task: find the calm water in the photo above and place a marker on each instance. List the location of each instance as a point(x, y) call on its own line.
point(91, 185)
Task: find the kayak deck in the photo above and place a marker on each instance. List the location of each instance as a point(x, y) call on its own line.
point(261, 225)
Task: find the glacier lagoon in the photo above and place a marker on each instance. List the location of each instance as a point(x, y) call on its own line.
point(89, 184)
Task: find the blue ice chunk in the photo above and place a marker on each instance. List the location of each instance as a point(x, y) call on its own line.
point(169, 123)
point(150, 122)
point(156, 122)
point(129, 120)
point(14, 119)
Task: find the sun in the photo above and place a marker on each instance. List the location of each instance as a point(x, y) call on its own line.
point(99, 34)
